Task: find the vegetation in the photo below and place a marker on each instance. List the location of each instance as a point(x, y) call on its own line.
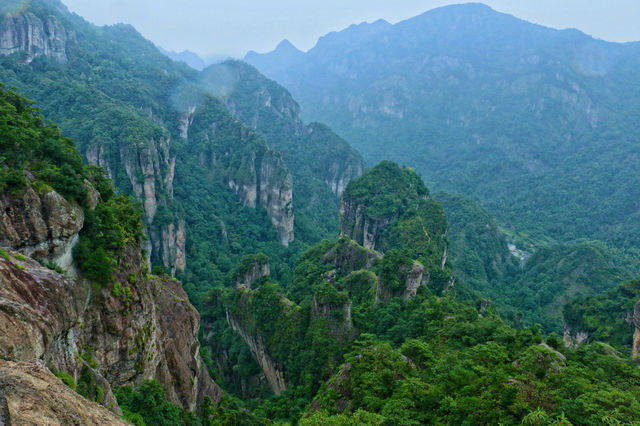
point(535, 123)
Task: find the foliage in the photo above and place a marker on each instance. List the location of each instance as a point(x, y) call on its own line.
point(114, 223)
point(30, 143)
point(148, 403)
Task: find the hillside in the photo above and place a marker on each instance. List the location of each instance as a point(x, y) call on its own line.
point(79, 307)
point(211, 186)
point(373, 334)
point(535, 123)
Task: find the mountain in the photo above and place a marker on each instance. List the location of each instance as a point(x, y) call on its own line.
point(370, 332)
point(211, 186)
point(526, 119)
point(77, 298)
point(186, 56)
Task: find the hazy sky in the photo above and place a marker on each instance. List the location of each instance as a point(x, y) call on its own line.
point(232, 27)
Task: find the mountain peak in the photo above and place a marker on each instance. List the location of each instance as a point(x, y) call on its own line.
point(286, 45)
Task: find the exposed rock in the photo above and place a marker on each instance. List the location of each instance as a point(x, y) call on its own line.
point(269, 366)
point(150, 168)
point(339, 175)
point(25, 32)
point(338, 315)
point(415, 278)
point(361, 228)
point(558, 354)
point(93, 196)
point(143, 329)
point(43, 225)
point(347, 256)
point(574, 338)
point(254, 273)
point(265, 180)
point(31, 395)
point(276, 115)
point(276, 195)
point(174, 239)
point(636, 330)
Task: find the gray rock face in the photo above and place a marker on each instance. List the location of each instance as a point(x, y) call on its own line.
point(361, 228)
point(40, 224)
point(276, 115)
point(270, 368)
point(256, 272)
point(150, 168)
point(268, 182)
point(28, 33)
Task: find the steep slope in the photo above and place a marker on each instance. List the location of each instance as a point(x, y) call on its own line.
point(211, 187)
point(321, 162)
point(31, 394)
point(478, 251)
point(105, 322)
point(370, 337)
point(613, 318)
point(522, 117)
point(340, 289)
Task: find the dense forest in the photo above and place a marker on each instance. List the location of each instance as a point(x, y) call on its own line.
point(329, 293)
point(535, 123)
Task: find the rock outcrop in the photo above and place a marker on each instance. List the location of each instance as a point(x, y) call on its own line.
point(274, 114)
point(150, 169)
point(260, 178)
point(31, 395)
point(259, 268)
point(141, 327)
point(414, 278)
point(360, 227)
point(42, 224)
point(271, 369)
point(25, 32)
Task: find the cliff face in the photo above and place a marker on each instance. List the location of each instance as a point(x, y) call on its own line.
point(150, 169)
point(238, 157)
point(270, 110)
point(140, 328)
point(40, 223)
point(31, 394)
point(271, 369)
point(359, 226)
point(28, 33)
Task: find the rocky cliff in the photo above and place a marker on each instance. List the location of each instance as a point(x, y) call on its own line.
point(41, 223)
point(31, 395)
point(271, 368)
point(25, 32)
point(252, 269)
point(137, 328)
point(270, 110)
point(150, 171)
point(359, 226)
point(239, 157)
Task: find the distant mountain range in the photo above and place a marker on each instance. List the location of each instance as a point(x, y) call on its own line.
point(538, 124)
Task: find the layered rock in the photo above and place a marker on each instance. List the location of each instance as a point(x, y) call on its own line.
point(25, 32)
point(360, 227)
point(140, 328)
point(42, 224)
point(271, 368)
point(150, 169)
point(274, 114)
point(31, 394)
